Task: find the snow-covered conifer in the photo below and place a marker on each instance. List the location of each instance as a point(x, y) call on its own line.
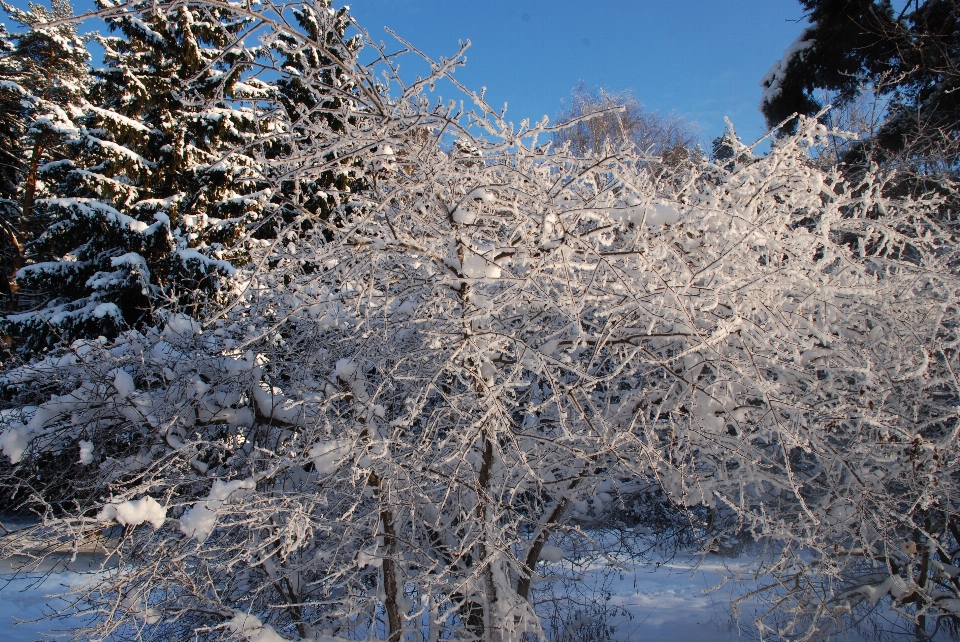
point(317, 98)
point(44, 79)
point(157, 186)
point(11, 135)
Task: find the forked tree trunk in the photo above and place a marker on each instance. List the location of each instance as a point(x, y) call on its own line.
point(536, 547)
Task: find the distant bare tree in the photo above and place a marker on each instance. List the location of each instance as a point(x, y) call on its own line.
point(662, 135)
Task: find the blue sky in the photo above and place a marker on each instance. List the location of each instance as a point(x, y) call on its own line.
point(702, 58)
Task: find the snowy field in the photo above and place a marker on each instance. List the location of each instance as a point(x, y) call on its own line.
point(670, 604)
point(24, 599)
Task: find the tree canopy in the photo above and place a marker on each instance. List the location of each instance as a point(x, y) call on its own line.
point(908, 56)
point(596, 118)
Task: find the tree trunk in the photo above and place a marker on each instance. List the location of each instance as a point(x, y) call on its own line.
point(533, 553)
point(30, 187)
point(391, 588)
point(491, 627)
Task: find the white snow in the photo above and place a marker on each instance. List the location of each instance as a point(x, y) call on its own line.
point(208, 263)
point(86, 452)
point(408, 307)
point(134, 512)
point(551, 553)
point(662, 214)
point(685, 600)
point(274, 404)
point(119, 118)
point(252, 629)
point(123, 382)
point(774, 76)
point(327, 454)
point(464, 216)
point(181, 325)
point(14, 441)
point(671, 603)
point(346, 371)
point(344, 368)
point(200, 520)
point(27, 598)
point(134, 261)
point(88, 207)
point(106, 310)
point(9, 85)
point(474, 266)
point(487, 370)
point(654, 214)
point(893, 585)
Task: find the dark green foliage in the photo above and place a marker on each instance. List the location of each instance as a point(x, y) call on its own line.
point(316, 97)
point(727, 149)
point(151, 196)
point(151, 182)
point(12, 131)
point(907, 55)
point(43, 72)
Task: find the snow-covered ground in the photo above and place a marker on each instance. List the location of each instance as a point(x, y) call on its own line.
point(668, 604)
point(686, 600)
point(671, 603)
point(665, 605)
point(27, 598)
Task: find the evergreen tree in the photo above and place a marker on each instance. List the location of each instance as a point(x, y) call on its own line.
point(147, 206)
point(43, 79)
point(316, 97)
point(908, 57)
point(11, 134)
point(728, 150)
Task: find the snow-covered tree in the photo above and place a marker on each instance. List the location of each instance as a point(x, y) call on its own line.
point(728, 150)
point(902, 58)
point(43, 79)
point(400, 427)
point(11, 126)
point(157, 185)
point(317, 97)
point(653, 133)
